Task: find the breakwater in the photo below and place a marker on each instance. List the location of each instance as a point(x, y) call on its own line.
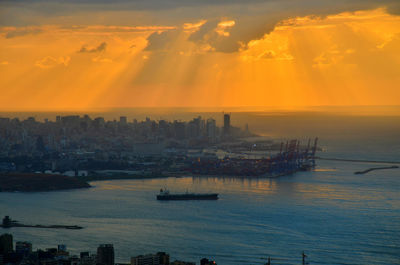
point(8, 223)
point(373, 168)
point(356, 160)
point(75, 227)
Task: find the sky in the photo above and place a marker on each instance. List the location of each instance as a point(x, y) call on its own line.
point(64, 55)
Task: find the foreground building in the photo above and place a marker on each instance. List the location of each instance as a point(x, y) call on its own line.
point(160, 258)
point(105, 254)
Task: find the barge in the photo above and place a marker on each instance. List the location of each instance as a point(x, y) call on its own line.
point(166, 196)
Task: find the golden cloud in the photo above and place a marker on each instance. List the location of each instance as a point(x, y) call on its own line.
point(223, 26)
point(193, 27)
point(49, 62)
point(347, 58)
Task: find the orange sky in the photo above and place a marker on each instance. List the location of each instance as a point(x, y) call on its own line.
point(346, 58)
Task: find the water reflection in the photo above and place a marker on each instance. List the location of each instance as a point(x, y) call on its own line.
point(338, 217)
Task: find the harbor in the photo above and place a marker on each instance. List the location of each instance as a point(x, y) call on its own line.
point(291, 158)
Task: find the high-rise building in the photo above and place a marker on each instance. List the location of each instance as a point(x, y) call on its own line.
point(87, 259)
point(84, 254)
point(227, 124)
point(62, 248)
point(23, 248)
point(99, 122)
point(207, 262)
point(123, 120)
point(161, 258)
point(179, 262)
point(71, 120)
point(7, 222)
point(179, 130)
point(211, 128)
point(6, 243)
point(105, 254)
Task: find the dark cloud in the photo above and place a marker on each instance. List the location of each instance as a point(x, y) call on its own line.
point(163, 4)
point(100, 48)
point(9, 9)
point(46, 6)
point(162, 41)
point(244, 30)
point(207, 35)
point(206, 29)
point(253, 18)
point(253, 23)
point(133, 4)
point(172, 12)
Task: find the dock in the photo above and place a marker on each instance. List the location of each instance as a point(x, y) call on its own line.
point(291, 158)
point(9, 223)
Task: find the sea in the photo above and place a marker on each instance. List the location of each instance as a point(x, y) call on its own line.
point(331, 214)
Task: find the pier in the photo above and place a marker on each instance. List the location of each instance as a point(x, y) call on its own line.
point(9, 223)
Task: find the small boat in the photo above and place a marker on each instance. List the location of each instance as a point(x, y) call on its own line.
point(166, 196)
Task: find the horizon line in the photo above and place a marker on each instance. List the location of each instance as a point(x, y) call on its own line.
point(222, 108)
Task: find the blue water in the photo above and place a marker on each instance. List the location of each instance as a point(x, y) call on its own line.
point(336, 217)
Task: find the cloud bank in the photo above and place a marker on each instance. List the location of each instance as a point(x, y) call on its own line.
point(199, 53)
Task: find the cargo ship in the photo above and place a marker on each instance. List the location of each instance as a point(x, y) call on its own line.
point(166, 196)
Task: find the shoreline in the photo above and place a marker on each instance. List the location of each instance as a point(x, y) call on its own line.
point(84, 182)
point(38, 182)
point(192, 176)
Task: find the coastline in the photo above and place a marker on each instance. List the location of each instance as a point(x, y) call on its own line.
point(142, 177)
point(36, 182)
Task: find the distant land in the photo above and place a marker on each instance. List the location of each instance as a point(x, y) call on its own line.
point(32, 182)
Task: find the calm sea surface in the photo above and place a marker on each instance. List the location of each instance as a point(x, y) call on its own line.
point(336, 217)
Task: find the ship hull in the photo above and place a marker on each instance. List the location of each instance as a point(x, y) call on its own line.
point(183, 197)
